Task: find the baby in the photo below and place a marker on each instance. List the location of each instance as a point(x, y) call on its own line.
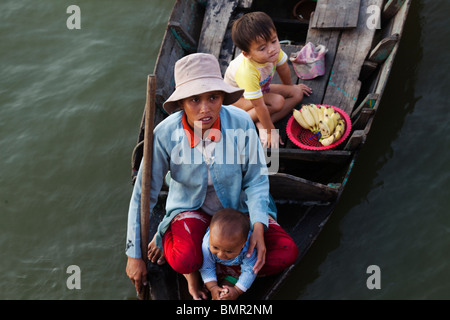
point(226, 243)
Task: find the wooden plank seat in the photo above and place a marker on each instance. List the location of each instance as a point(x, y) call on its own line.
point(336, 14)
point(330, 39)
point(344, 84)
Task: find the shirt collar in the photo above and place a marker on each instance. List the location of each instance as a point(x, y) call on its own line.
point(213, 132)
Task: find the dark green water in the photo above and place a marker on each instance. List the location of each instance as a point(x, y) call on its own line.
point(70, 106)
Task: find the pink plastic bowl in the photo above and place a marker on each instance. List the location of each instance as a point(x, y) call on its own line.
point(303, 138)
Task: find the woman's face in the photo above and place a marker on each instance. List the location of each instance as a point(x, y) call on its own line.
point(203, 110)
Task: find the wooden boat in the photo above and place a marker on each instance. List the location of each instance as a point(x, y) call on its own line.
point(362, 38)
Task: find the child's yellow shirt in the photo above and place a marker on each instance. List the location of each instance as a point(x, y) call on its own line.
point(251, 76)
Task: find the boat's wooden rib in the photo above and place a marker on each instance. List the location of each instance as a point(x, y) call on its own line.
point(383, 49)
point(369, 101)
point(180, 38)
point(391, 8)
point(309, 184)
point(325, 156)
point(393, 26)
point(184, 38)
point(285, 186)
point(217, 17)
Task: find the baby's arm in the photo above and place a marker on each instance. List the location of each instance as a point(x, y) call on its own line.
point(245, 279)
point(267, 133)
point(208, 269)
point(262, 112)
point(215, 290)
point(285, 74)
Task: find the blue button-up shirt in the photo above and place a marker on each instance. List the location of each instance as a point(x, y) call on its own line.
point(238, 172)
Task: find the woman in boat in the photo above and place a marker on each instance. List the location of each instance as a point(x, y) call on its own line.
point(215, 160)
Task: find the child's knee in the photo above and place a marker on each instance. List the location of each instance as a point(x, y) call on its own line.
point(277, 103)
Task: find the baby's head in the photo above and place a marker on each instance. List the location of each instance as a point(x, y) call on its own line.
point(252, 29)
point(228, 233)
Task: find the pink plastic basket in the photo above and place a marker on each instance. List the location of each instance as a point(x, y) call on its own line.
point(304, 138)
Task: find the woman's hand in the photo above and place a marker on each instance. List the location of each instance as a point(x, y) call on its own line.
point(257, 241)
point(154, 253)
point(137, 272)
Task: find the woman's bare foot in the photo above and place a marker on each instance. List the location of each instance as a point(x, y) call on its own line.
point(195, 286)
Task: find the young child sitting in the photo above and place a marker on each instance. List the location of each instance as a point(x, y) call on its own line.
point(226, 243)
point(255, 34)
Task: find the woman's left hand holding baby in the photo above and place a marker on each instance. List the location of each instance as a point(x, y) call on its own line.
point(257, 242)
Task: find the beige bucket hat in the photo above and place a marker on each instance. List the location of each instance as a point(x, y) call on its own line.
point(198, 73)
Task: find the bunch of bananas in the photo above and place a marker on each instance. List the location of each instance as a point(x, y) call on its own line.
point(321, 118)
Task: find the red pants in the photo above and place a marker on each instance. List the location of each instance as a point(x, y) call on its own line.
point(182, 244)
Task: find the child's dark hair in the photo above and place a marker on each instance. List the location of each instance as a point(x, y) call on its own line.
point(250, 27)
point(231, 222)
